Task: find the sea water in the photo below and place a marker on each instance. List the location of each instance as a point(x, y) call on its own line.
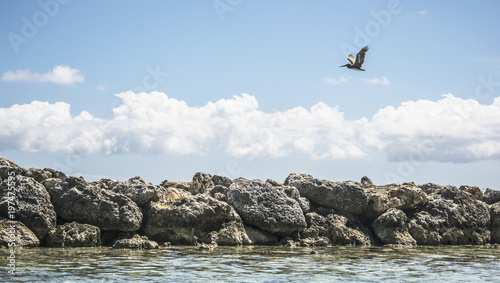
point(255, 264)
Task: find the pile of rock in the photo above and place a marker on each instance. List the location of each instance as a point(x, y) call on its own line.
point(52, 209)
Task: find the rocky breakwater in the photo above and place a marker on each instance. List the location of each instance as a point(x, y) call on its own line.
point(48, 208)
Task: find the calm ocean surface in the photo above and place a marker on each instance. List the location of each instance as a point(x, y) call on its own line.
point(255, 264)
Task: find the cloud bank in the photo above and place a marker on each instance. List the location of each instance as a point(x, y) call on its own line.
point(448, 130)
point(62, 75)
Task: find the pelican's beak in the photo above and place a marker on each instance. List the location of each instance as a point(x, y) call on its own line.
point(344, 65)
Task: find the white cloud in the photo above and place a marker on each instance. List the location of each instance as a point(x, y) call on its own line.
point(63, 75)
point(335, 81)
point(380, 81)
point(423, 12)
point(449, 130)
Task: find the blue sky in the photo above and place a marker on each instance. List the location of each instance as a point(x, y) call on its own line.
point(164, 89)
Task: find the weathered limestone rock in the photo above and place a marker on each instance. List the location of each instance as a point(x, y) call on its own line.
point(345, 196)
point(382, 198)
point(451, 217)
point(201, 182)
point(338, 228)
point(42, 174)
point(139, 190)
point(491, 196)
point(76, 200)
point(266, 207)
point(218, 192)
point(192, 218)
point(474, 191)
point(9, 168)
point(392, 228)
point(31, 202)
point(74, 235)
point(17, 231)
point(136, 242)
point(221, 181)
point(495, 223)
point(366, 182)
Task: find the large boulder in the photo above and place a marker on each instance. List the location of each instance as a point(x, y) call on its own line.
point(194, 218)
point(495, 222)
point(16, 233)
point(9, 168)
point(392, 228)
point(139, 190)
point(328, 227)
point(382, 198)
point(31, 202)
point(491, 196)
point(221, 181)
point(266, 207)
point(345, 196)
point(451, 217)
point(74, 235)
point(76, 200)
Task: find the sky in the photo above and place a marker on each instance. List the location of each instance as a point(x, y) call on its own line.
point(253, 88)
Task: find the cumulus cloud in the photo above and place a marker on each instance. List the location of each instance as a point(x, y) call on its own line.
point(380, 81)
point(450, 129)
point(423, 12)
point(333, 81)
point(63, 75)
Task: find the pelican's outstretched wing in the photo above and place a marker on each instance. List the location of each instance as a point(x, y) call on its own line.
point(360, 58)
point(351, 59)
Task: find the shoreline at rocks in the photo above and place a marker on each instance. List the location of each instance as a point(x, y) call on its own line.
point(48, 208)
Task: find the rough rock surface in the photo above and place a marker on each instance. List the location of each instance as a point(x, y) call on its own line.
point(31, 202)
point(194, 218)
point(451, 217)
point(139, 190)
point(495, 223)
point(345, 196)
point(74, 235)
point(491, 196)
point(76, 200)
point(201, 182)
point(392, 228)
point(42, 174)
point(266, 207)
point(382, 198)
point(474, 191)
point(17, 231)
point(136, 242)
point(221, 181)
point(9, 168)
point(328, 227)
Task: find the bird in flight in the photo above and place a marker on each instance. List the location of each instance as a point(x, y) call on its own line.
point(360, 58)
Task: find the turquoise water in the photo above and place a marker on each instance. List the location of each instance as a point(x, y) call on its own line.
point(255, 264)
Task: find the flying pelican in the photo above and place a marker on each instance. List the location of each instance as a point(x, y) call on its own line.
point(360, 58)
